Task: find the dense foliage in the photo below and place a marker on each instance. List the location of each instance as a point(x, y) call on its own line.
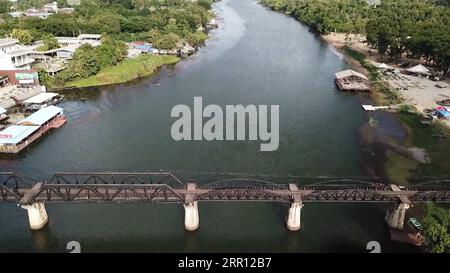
point(49, 42)
point(417, 27)
point(411, 26)
point(88, 60)
point(125, 20)
point(4, 6)
point(437, 229)
point(167, 24)
point(24, 36)
point(326, 16)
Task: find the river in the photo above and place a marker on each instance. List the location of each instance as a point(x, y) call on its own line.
point(257, 56)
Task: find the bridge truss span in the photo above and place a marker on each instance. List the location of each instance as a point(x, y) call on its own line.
point(165, 187)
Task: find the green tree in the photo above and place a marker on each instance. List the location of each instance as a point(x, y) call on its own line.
point(84, 63)
point(167, 41)
point(44, 78)
point(107, 22)
point(207, 4)
point(24, 36)
point(196, 38)
point(61, 25)
point(436, 229)
point(4, 6)
point(110, 52)
point(49, 41)
point(153, 35)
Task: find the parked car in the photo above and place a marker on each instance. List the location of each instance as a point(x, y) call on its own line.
point(415, 224)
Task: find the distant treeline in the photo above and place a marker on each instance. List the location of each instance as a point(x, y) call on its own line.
point(418, 27)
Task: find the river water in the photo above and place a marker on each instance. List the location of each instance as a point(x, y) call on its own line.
point(257, 56)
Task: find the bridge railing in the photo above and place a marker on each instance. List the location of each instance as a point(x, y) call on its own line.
point(118, 178)
point(167, 187)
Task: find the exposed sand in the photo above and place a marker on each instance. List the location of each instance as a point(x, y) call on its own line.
point(356, 42)
point(416, 91)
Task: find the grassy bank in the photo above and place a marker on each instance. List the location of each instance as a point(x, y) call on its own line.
point(435, 138)
point(398, 167)
point(130, 69)
point(383, 95)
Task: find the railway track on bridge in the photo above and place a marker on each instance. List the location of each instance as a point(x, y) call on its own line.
point(165, 187)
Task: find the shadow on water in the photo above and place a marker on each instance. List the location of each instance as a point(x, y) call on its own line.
point(44, 240)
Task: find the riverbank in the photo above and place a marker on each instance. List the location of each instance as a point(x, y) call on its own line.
point(128, 70)
point(421, 150)
point(402, 155)
point(418, 92)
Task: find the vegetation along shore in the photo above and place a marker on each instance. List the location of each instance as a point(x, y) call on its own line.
point(125, 71)
point(160, 28)
point(397, 146)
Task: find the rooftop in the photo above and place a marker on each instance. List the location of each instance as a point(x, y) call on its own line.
point(348, 73)
point(8, 42)
point(69, 48)
point(89, 36)
point(42, 116)
point(16, 133)
point(41, 98)
point(419, 69)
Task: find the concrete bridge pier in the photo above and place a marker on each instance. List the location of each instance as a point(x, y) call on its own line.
point(191, 218)
point(37, 215)
point(293, 219)
point(395, 216)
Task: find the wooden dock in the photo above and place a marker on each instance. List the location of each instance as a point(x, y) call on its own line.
point(350, 80)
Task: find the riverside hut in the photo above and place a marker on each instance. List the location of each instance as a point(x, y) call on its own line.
point(419, 70)
point(350, 80)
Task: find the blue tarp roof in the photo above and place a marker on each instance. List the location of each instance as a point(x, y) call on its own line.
point(145, 48)
point(41, 116)
point(443, 112)
point(16, 133)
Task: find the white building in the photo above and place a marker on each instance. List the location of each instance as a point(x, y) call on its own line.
point(68, 46)
point(73, 2)
point(42, 15)
point(90, 37)
point(53, 5)
point(14, 56)
point(65, 52)
point(16, 14)
point(93, 39)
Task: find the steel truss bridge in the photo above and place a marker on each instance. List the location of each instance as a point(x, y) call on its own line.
point(165, 187)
